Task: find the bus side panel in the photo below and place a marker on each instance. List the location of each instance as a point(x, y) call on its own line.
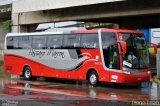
point(14, 64)
point(97, 65)
point(81, 72)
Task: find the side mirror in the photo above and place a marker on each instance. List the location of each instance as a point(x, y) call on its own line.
point(123, 46)
point(154, 46)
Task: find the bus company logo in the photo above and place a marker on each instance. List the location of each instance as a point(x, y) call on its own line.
point(36, 53)
point(48, 52)
point(55, 54)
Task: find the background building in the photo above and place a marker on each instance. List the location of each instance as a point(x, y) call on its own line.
point(5, 17)
point(152, 35)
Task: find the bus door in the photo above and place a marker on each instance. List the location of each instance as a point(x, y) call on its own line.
point(110, 52)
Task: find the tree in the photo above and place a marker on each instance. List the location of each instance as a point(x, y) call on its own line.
point(7, 25)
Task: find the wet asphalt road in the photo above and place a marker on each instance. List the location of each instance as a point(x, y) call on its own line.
point(53, 92)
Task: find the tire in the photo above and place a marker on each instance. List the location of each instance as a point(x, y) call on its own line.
point(93, 78)
point(27, 73)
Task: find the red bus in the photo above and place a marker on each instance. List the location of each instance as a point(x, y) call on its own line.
point(98, 55)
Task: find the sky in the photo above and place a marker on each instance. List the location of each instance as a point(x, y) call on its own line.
point(3, 2)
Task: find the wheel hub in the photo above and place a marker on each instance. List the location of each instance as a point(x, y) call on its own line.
point(93, 79)
point(27, 73)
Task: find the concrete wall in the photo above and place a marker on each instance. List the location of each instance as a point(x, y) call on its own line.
point(25, 12)
point(130, 14)
point(20, 6)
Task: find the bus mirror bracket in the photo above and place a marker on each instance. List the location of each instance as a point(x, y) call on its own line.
point(123, 46)
point(154, 46)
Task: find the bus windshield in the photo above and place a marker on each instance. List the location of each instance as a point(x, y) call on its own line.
point(137, 56)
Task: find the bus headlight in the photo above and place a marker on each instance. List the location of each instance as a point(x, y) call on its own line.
point(126, 72)
point(149, 72)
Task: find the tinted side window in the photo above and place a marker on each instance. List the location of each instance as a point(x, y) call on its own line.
point(39, 42)
point(71, 41)
point(16, 42)
point(55, 41)
point(10, 42)
point(25, 42)
point(13, 42)
point(89, 41)
point(108, 39)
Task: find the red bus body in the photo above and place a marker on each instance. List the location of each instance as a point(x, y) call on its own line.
point(14, 64)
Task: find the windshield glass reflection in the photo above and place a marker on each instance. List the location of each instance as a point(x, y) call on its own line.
point(137, 56)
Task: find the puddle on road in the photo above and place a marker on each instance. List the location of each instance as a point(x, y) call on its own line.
point(54, 90)
point(4, 78)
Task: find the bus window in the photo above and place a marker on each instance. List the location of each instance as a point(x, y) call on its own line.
point(39, 42)
point(13, 42)
point(54, 41)
point(25, 42)
point(71, 41)
point(89, 41)
point(110, 50)
point(16, 42)
point(10, 42)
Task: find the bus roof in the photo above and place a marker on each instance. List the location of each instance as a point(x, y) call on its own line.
point(33, 33)
point(74, 31)
point(108, 30)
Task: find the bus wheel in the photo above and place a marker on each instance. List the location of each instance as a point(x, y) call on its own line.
point(93, 78)
point(27, 73)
